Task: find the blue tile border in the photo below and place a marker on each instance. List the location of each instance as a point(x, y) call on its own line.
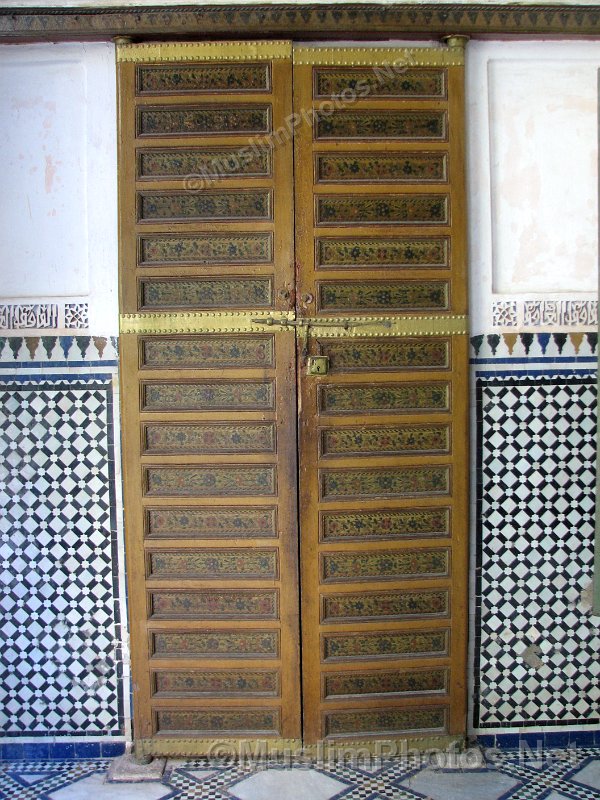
point(60, 751)
point(536, 359)
point(25, 365)
point(87, 749)
point(547, 739)
point(63, 751)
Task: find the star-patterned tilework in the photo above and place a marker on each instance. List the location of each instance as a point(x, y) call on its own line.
point(536, 644)
point(523, 774)
point(60, 661)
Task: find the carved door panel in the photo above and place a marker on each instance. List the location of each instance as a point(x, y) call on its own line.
point(209, 435)
point(380, 248)
point(219, 335)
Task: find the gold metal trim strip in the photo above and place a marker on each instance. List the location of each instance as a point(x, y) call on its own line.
point(198, 322)
point(380, 56)
point(326, 750)
point(392, 326)
point(204, 51)
point(326, 327)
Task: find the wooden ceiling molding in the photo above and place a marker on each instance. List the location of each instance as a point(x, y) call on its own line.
point(317, 22)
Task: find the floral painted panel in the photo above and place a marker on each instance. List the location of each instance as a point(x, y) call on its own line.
point(196, 163)
point(237, 480)
point(369, 355)
point(386, 720)
point(396, 168)
point(408, 252)
point(339, 484)
point(380, 296)
point(208, 77)
point(206, 249)
point(212, 522)
point(203, 293)
point(384, 645)
point(390, 80)
point(390, 209)
point(217, 604)
point(207, 437)
point(404, 125)
point(209, 396)
point(202, 120)
point(238, 564)
point(206, 206)
point(405, 398)
point(385, 605)
point(206, 351)
point(218, 683)
point(384, 565)
point(398, 440)
point(216, 644)
point(219, 720)
point(409, 682)
point(340, 526)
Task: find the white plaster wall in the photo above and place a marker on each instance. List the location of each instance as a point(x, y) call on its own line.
point(532, 154)
point(59, 211)
point(532, 173)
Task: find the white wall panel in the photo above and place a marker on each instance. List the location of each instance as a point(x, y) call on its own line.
point(532, 181)
point(59, 210)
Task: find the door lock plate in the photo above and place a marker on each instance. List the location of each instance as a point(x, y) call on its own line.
point(318, 365)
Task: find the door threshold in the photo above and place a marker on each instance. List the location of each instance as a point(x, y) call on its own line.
point(257, 750)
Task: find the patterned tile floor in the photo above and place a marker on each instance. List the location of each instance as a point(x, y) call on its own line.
point(566, 774)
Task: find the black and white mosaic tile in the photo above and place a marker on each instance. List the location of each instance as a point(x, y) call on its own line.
point(536, 643)
point(61, 660)
point(567, 774)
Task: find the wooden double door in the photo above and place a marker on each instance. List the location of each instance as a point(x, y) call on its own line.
point(294, 391)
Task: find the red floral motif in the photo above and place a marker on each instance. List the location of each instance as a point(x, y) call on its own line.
point(402, 252)
point(215, 644)
point(202, 120)
point(398, 168)
point(210, 438)
point(403, 125)
point(203, 293)
point(223, 604)
point(381, 82)
point(396, 682)
point(207, 248)
point(233, 720)
point(384, 645)
point(387, 720)
point(396, 605)
point(209, 77)
point(222, 683)
point(375, 209)
point(410, 439)
point(241, 204)
point(406, 481)
point(389, 565)
point(215, 564)
point(209, 352)
point(212, 523)
point(369, 355)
